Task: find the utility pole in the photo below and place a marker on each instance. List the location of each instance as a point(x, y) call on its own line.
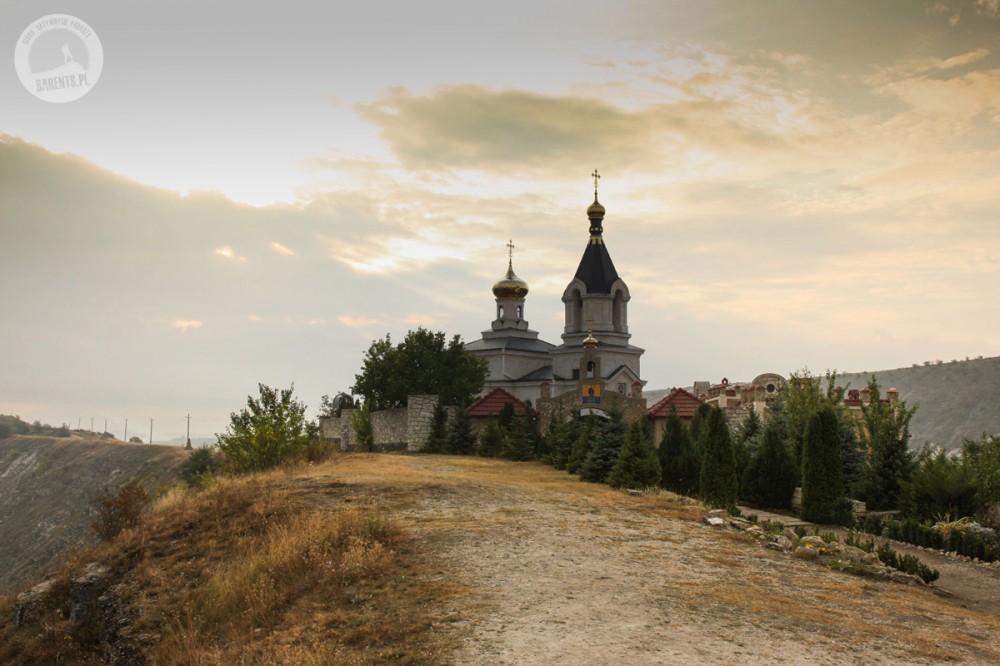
point(91, 424)
point(150, 431)
point(126, 431)
point(188, 445)
point(105, 425)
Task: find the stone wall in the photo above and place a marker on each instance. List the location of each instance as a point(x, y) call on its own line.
point(569, 404)
point(420, 420)
point(404, 428)
point(389, 430)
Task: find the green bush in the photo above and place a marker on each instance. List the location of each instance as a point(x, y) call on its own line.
point(637, 466)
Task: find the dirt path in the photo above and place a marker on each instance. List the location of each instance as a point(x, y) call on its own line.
point(564, 572)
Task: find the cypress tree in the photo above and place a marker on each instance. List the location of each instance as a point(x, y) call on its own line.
point(679, 463)
point(718, 482)
point(638, 465)
point(561, 435)
point(823, 498)
point(769, 480)
point(607, 445)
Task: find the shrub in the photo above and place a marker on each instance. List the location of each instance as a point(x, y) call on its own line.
point(461, 439)
point(490, 442)
point(769, 480)
point(361, 424)
point(267, 432)
point(201, 464)
point(120, 510)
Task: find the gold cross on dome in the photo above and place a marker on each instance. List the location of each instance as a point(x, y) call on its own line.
point(597, 177)
point(510, 250)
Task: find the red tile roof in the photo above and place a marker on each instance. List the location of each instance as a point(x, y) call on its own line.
point(684, 402)
point(491, 404)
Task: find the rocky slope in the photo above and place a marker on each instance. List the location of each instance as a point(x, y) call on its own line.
point(47, 490)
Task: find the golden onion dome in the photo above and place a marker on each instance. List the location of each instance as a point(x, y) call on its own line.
point(510, 286)
point(595, 210)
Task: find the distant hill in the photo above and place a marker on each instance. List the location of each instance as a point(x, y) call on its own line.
point(955, 399)
point(47, 490)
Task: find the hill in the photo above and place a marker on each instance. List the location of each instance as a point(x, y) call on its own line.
point(423, 559)
point(957, 399)
point(47, 490)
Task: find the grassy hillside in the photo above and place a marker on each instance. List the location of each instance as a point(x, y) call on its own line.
point(47, 490)
point(422, 559)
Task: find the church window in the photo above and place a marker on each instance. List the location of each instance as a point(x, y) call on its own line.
point(591, 366)
point(618, 312)
point(500, 312)
point(520, 313)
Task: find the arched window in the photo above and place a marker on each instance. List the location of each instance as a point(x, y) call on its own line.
point(520, 313)
point(591, 366)
point(500, 312)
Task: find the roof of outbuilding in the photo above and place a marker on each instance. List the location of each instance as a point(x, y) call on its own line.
point(491, 404)
point(683, 401)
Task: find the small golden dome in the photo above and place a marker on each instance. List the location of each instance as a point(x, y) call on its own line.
point(595, 210)
point(590, 341)
point(510, 286)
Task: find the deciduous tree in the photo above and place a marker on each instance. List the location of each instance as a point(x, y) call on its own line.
point(268, 431)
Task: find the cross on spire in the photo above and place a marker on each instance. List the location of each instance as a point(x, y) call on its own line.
point(510, 251)
point(597, 177)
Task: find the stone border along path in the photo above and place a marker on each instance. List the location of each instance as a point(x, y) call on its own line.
point(969, 584)
point(566, 572)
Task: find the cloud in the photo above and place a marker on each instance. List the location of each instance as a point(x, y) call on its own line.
point(356, 322)
point(185, 324)
point(229, 253)
point(281, 249)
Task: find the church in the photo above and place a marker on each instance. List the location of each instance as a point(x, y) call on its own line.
point(595, 367)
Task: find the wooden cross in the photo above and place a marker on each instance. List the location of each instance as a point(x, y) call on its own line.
point(597, 177)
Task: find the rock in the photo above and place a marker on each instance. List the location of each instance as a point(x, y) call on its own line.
point(814, 541)
point(717, 513)
point(774, 545)
point(784, 542)
point(753, 529)
point(853, 554)
point(871, 558)
point(804, 553)
point(797, 500)
point(900, 577)
point(28, 605)
point(790, 534)
point(714, 521)
point(634, 492)
point(85, 589)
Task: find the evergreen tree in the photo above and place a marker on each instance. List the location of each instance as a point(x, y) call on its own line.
point(745, 445)
point(769, 480)
point(437, 441)
point(890, 463)
point(519, 439)
point(718, 482)
point(581, 444)
point(461, 439)
point(638, 465)
point(679, 462)
point(607, 445)
point(851, 456)
point(490, 442)
point(823, 498)
point(560, 437)
point(506, 416)
point(698, 422)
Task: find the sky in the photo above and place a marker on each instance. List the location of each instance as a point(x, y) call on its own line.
point(254, 192)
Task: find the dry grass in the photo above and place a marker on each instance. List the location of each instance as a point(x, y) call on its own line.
point(246, 573)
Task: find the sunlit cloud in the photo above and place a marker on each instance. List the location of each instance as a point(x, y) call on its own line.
point(186, 324)
point(281, 249)
point(356, 322)
point(254, 318)
point(226, 252)
point(316, 322)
